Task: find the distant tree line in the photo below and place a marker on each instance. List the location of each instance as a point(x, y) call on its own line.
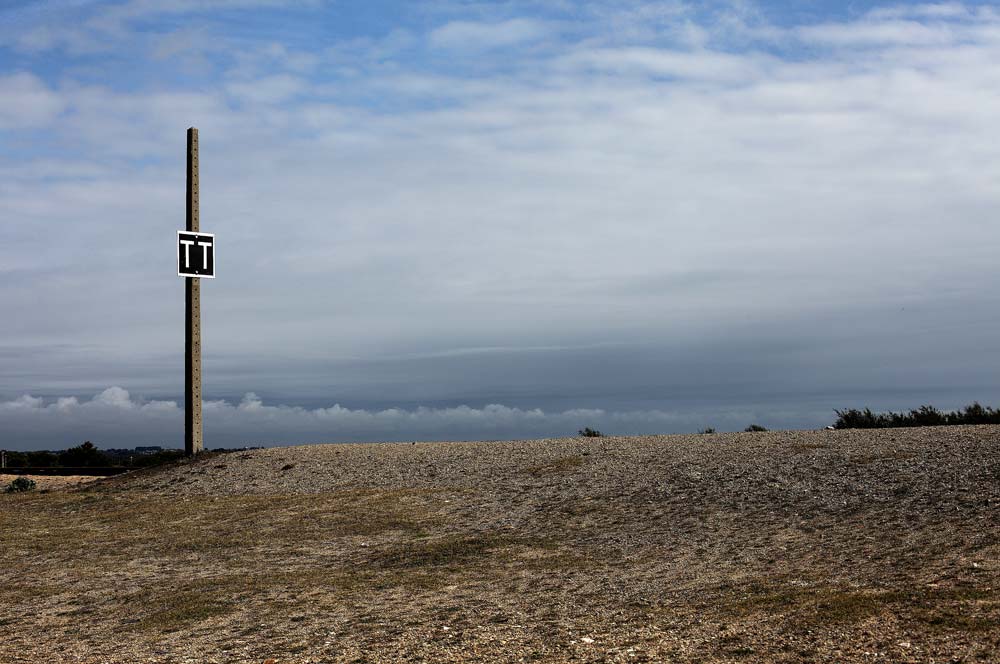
point(925, 416)
point(88, 455)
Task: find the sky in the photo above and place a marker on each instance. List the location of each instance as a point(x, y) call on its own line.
point(485, 220)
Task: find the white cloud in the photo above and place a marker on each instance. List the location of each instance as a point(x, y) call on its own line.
point(65, 404)
point(701, 66)
point(106, 402)
point(112, 418)
point(113, 396)
point(115, 14)
point(944, 10)
point(74, 39)
point(877, 33)
point(23, 402)
point(471, 35)
point(27, 102)
point(267, 90)
point(112, 25)
point(455, 212)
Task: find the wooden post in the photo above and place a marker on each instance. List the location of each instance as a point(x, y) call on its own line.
point(192, 322)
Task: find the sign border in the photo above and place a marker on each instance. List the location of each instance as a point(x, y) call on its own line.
point(178, 261)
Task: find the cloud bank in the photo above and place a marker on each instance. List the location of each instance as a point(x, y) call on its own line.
point(113, 418)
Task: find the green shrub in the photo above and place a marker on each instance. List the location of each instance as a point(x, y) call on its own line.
point(587, 432)
point(20, 484)
point(755, 427)
point(708, 430)
point(925, 416)
point(40, 459)
point(83, 455)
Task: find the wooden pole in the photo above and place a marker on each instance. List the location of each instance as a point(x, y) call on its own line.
point(192, 321)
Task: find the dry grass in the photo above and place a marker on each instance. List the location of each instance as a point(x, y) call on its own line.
point(49, 482)
point(112, 525)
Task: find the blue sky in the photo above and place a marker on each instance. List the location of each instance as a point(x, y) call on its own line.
point(488, 220)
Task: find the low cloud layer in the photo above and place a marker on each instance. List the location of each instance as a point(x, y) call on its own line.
point(113, 418)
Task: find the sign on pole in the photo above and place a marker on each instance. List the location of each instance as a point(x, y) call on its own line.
point(196, 254)
point(195, 260)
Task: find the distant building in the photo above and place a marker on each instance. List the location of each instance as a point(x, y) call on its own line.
point(125, 455)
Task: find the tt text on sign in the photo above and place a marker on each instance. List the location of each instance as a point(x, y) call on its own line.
point(195, 254)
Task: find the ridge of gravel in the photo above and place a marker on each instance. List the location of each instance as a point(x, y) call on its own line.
point(785, 546)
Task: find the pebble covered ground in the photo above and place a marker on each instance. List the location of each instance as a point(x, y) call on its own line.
point(847, 546)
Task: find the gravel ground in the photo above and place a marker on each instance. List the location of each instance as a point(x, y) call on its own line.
point(847, 546)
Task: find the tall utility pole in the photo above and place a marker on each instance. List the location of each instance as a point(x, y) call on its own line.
point(192, 304)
